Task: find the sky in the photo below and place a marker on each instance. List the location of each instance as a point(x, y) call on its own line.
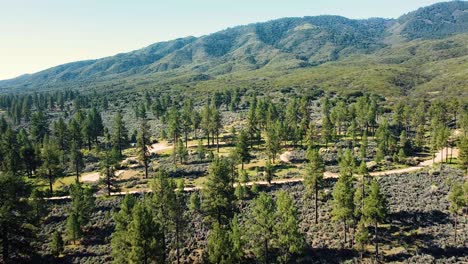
point(38, 34)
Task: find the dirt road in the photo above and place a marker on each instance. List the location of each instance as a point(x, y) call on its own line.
point(285, 158)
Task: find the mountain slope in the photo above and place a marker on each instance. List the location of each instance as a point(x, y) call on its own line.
point(278, 45)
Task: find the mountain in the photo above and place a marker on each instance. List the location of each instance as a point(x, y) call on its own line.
point(278, 46)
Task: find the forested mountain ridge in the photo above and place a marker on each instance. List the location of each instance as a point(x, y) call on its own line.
point(285, 44)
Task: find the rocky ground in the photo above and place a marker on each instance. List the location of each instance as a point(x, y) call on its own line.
point(419, 229)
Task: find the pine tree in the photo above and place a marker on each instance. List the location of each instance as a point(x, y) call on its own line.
point(143, 236)
point(201, 151)
point(457, 202)
point(143, 142)
point(73, 228)
point(361, 237)
point(313, 180)
point(56, 245)
point(61, 134)
point(76, 160)
point(16, 225)
point(242, 147)
point(76, 136)
point(174, 128)
point(218, 192)
point(51, 167)
point(181, 151)
point(120, 133)
point(163, 204)
point(463, 152)
point(82, 206)
point(236, 241)
point(10, 152)
point(375, 210)
point(288, 237)
point(268, 172)
point(120, 242)
point(261, 226)
point(194, 201)
point(273, 145)
point(39, 127)
point(343, 206)
point(186, 118)
point(360, 192)
point(107, 164)
point(327, 128)
point(218, 244)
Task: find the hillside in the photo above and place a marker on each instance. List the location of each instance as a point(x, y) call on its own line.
point(324, 51)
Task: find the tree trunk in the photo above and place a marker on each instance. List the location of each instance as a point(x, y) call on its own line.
point(217, 140)
point(456, 225)
point(77, 174)
point(50, 183)
point(316, 203)
point(266, 250)
point(376, 243)
point(163, 237)
point(108, 182)
point(177, 242)
point(146, 169)
point(344, 221)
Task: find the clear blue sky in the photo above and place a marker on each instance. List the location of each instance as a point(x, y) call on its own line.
point(37, 34)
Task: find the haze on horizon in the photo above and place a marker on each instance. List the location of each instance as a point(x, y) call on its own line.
point(36, 35)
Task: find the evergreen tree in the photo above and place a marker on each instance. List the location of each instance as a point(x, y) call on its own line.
point(61, 134)
point(313, 179)
point(261, 226)
point(56, 245)
point(73, 228)
point(236, 241)
point(120, 133)
point(457, 199)
point(218, 192)
point(10, 152)
point(463, 152)
point(120, 242)
point(82, 206)
point(143, 236)
point(143, 142)
point(361, 237)
point(343, 206)
point(218, 245)
point(76, 136)
point(39, 127)
point(107, 164)
point(327, 128)
point(242, 147)
point(273, 143)
point(51, 166)
point(375, 211)
point(201, 151)
point(181, 151)
point(194, 201)
point(163, 204)
point(268, 172)
point(16, 226)
point(288, 237)
point(76, 160)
